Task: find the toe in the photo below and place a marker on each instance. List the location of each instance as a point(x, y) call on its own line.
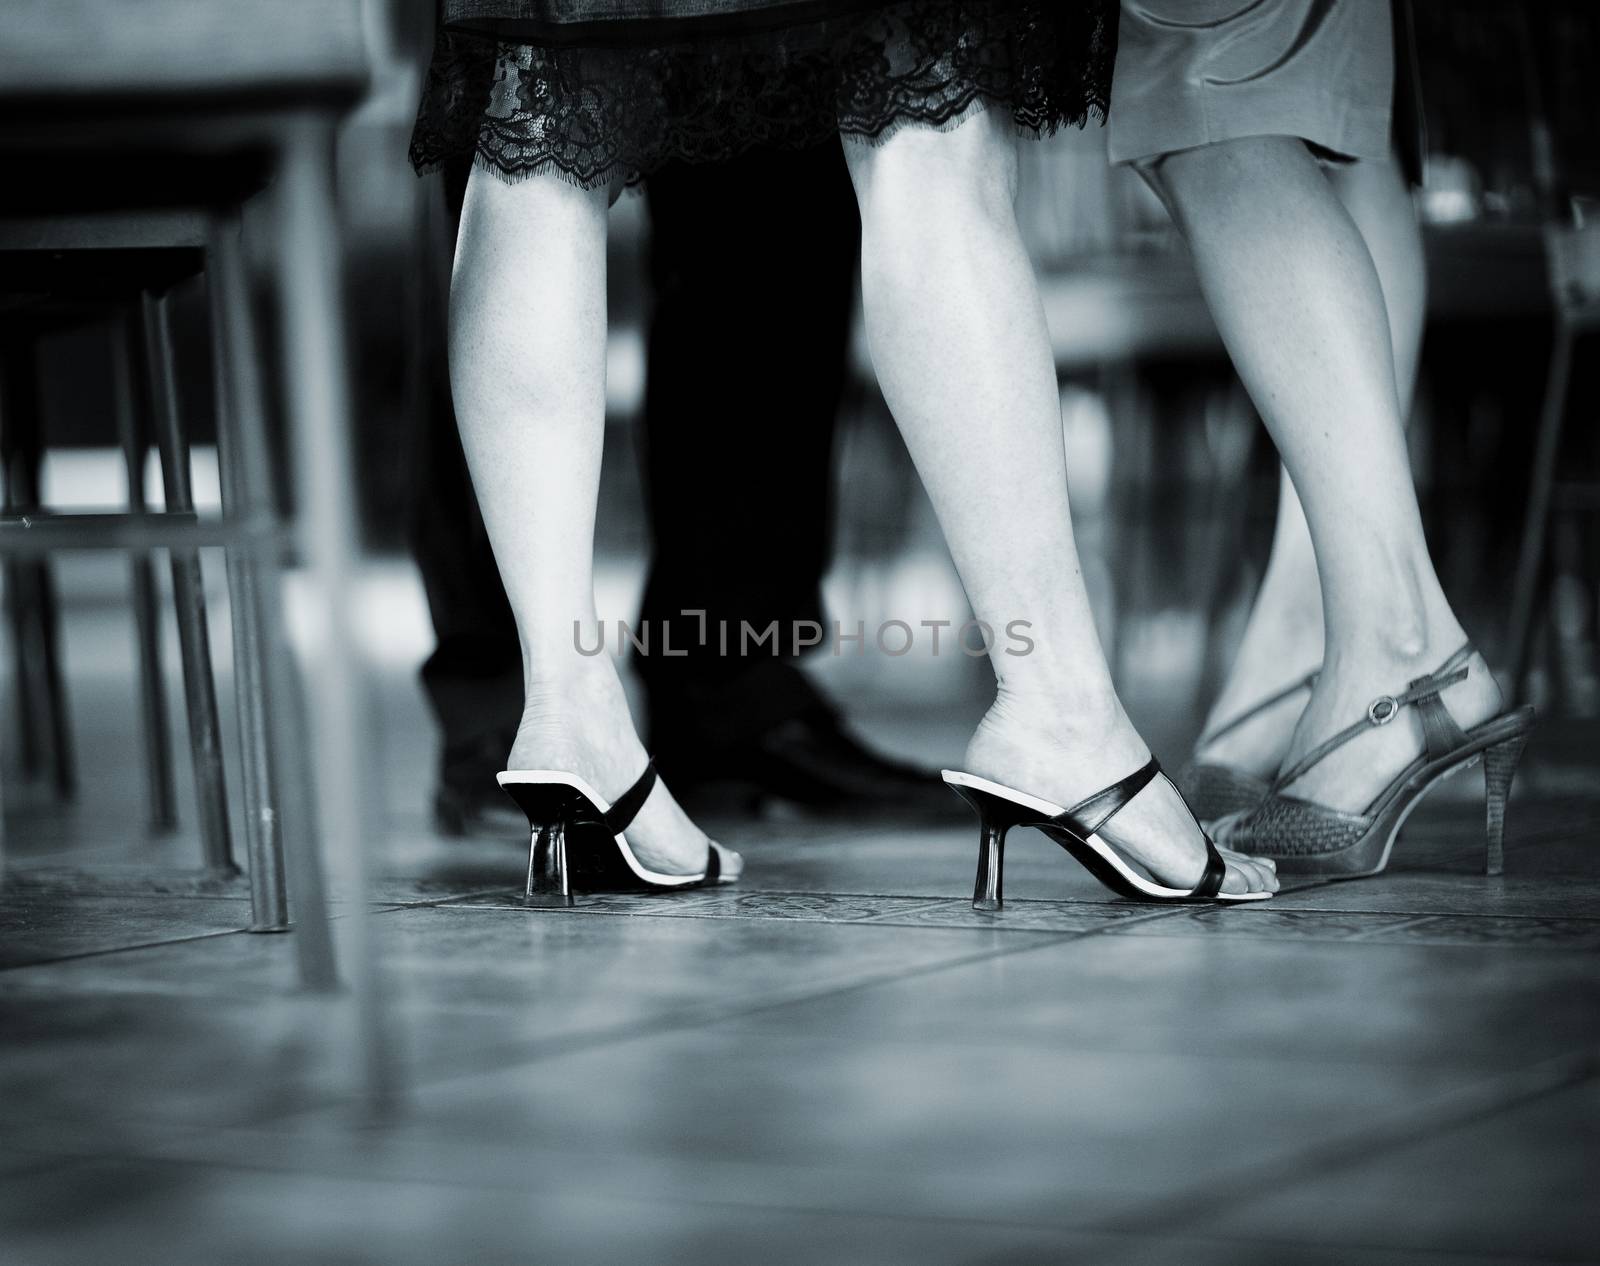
point(1237, 881)
point(1264, 867)
point(1257, 878)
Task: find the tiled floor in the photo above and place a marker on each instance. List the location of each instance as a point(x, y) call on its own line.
point(835, 1061)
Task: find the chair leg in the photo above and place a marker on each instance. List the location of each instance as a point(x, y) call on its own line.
point(1528, 583)
point(161, 792)
point(245, 473)
point(317, 394)
point(20, 616)
point(188, 588)
point(43, 718)
point(63, 764)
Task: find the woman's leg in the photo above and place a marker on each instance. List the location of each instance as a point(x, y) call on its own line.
point(959, 343)
point(527, 369)
point(1298, 298)
point(1282, 639)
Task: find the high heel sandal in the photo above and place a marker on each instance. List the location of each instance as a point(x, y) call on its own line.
point(1308, 838)
point(577, 841)
point(999, 808)
point(1216, 791)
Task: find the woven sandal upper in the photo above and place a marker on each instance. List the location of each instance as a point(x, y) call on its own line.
point(1287, 826)
point(1216, 791)
point(1283, 826)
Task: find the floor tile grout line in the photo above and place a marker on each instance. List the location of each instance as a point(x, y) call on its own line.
point(891, 919)
point(125, 949)
point(1265, 908)
point(854, 896)
point(1372, 933)
point(1459, 1109)
point(429, 903)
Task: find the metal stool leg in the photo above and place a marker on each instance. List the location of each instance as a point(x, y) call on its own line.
point(1529, 579)
point(188, 587)
point(20, 605)
point(46, 731)
point(160, 782)
point(63, 766)
point(243, 464)
point(317, 392)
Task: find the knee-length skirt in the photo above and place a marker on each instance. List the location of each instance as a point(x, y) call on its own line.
point(602, 92)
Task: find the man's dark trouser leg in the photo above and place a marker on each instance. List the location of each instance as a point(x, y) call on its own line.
point(753, 263)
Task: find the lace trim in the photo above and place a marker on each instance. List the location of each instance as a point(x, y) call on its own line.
point(602, 116)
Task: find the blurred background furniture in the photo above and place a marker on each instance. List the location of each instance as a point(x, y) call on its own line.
point(51, 285)
point(1574, 261)
point(135, 129)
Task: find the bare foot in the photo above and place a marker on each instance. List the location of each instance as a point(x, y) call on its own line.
point(1257, 744)
point(582, 725)
point(1281, 646)
point(1065, 759)
point(1352, 776)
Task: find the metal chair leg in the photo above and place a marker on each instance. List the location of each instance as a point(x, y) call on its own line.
point(245, 474)
point(317, 393)
point(188, 587)
point(20, 573)
point(63, 764)
point(160, 781)
point(43, 713)
point(1529, 578)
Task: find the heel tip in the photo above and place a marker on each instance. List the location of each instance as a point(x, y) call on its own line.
point(987, 905)
point(548, 901)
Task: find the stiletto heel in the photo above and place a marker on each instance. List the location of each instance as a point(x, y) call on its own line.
point(996, 816)
point(1304, 837)
point(577, 840)
point(1499, 768)
point(1078, 831)
point(987, 888)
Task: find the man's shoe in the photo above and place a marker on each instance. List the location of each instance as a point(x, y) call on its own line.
point(811, 762)
point(477, 811)
point(468, 802)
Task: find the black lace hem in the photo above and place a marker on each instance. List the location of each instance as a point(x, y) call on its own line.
point(602, 116)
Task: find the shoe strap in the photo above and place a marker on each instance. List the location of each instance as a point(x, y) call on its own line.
point(1093, 812)
point(619, 817)
point(1439, 729)
point(1216, 870)
point(1227, 727)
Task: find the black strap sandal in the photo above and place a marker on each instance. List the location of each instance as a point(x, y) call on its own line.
point(1078, 830)
point(578, 840)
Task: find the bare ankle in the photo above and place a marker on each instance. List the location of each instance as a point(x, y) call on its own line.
point(1407, 619)
point(1067, 716)
point(1411, 641)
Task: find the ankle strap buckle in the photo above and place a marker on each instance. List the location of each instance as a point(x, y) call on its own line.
point(1382, 710)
